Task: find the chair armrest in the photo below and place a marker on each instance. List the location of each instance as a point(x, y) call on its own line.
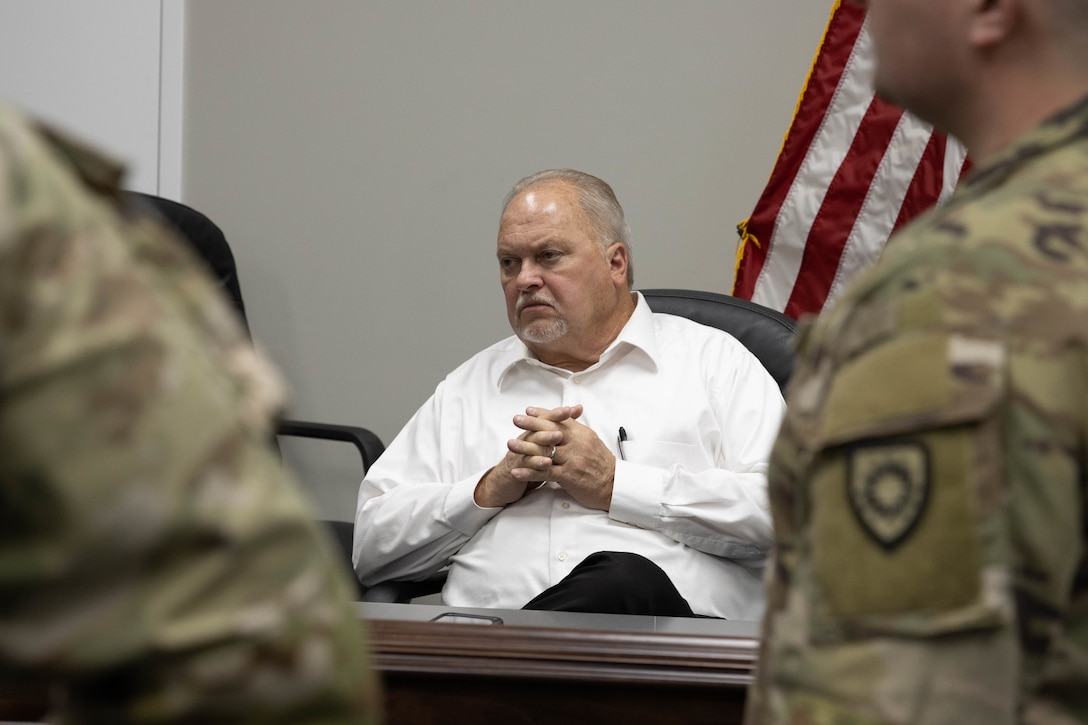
point(368, 444)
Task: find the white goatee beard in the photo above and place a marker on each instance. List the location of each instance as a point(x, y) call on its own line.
point(543, 334)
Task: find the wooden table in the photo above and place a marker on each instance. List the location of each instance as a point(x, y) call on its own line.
point(604, 670)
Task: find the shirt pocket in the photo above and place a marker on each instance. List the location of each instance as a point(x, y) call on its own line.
point(905, 491)
point(666, 454)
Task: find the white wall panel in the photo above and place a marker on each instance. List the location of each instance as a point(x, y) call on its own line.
point(91, 68)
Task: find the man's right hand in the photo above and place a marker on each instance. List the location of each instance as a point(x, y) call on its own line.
point(528, 458)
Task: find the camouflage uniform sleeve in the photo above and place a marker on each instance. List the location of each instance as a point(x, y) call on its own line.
point(928, 486)
point(156, 563)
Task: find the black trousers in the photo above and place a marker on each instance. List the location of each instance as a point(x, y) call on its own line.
point(614, 582)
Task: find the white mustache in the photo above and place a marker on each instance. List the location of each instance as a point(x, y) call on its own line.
point(533, 301)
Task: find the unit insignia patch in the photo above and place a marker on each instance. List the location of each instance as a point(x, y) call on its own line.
point(888, 489)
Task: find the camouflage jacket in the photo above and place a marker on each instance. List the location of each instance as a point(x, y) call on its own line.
point(928, 485)
point(156, 564)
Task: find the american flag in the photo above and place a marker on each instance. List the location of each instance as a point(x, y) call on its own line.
point(852, 169)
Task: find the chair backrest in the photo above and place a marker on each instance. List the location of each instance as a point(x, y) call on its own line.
point(210, 244)
point(768, 334)
point(204, 237)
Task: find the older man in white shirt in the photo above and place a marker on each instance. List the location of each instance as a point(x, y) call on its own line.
point(604, 458)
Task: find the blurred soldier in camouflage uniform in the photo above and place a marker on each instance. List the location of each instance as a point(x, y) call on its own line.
point(929, 482)
point(155, 562)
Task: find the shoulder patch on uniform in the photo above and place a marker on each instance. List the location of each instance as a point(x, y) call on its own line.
point(888, 487)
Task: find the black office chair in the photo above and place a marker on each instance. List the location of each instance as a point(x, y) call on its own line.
point(210, 244)
point(768, 334)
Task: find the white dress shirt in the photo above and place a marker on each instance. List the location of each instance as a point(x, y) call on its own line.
point(690, 493)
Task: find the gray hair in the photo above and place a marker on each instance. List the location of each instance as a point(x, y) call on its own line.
point(598, 202)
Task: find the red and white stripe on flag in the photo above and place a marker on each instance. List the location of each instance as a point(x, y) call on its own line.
point(852, 169)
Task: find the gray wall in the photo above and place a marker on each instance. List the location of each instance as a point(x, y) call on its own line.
point(355, 152)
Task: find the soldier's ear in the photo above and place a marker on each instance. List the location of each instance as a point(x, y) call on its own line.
point(992, 21)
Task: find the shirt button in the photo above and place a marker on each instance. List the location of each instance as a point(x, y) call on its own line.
point(566, 504)
point(562, 556)
point(577, 381)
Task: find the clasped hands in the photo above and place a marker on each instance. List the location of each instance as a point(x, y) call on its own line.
point(553, 447)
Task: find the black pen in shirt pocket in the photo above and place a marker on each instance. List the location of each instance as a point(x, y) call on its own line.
point(622, 438)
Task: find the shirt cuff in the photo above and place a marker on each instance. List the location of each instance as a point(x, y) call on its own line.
point(461, 510)
point(636, 494)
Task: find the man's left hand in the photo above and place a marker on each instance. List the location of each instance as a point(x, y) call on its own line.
point(583, 465)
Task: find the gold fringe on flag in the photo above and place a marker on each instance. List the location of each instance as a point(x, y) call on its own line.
point(746, 237)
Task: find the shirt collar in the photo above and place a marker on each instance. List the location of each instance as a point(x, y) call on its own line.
point(1064, 127)
point(638, 335)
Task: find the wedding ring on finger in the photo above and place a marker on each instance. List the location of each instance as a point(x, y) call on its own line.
point(552, 454)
